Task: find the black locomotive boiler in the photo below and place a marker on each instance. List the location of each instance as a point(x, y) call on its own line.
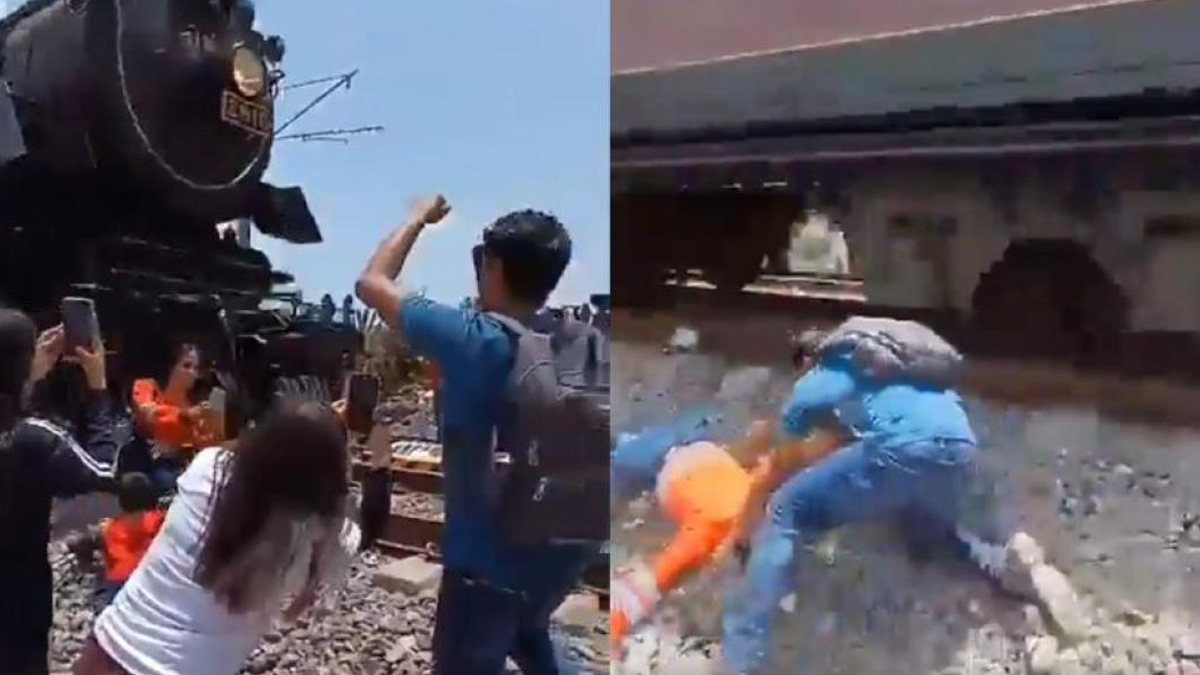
point(130, 130)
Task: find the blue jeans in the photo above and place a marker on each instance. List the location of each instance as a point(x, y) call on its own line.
point(109, 591)
point(920, 483)
point(638, 457)
point(479, 625)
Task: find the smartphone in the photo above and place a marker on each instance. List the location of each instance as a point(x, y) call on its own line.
point(216, 400)
point(80, 325)
point(361, 402)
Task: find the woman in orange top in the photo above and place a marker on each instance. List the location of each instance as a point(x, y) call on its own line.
point(703, 488)
point(168, 416)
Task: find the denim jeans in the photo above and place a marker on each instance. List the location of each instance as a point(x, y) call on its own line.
point(920, 483)
point(638, 457)
point(437, 414)
point(109, 591)
point(479, 625)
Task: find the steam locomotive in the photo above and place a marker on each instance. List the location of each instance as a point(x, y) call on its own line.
point(129, 132)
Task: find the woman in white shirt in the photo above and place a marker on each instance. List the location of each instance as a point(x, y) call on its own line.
point(252, 526)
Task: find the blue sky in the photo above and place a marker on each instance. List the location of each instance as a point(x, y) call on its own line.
point(498, 104)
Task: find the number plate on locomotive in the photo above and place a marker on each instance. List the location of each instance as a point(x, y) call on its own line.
point(243, 114)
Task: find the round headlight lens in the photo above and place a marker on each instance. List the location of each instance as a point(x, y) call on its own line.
point(249, 72)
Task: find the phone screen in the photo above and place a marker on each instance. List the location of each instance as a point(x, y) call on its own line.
point(80, 326)
point(361, 402)
point(216, 400)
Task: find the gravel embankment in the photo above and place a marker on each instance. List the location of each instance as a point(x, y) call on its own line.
point(369, 632)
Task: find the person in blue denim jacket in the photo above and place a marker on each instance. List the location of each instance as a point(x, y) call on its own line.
point(854, 447)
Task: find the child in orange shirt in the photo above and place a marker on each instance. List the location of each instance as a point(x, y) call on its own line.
point(702, 487)
point(126, 538)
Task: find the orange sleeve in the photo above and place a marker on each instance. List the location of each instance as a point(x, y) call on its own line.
point(618, 626)
point(165, 421)
point(694, 543)
point(156, 520)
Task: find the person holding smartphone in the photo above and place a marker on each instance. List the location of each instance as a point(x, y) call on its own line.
point(168, 415)
point(39, 462)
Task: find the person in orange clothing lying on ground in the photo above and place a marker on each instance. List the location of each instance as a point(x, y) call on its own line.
point(702, 488)
point(126, 538)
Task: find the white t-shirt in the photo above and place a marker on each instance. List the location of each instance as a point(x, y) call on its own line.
point(163, 622)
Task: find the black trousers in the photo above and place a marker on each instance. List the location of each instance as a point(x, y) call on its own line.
point(376, 505)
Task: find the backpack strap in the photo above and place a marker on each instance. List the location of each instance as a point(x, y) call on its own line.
point(509, 323)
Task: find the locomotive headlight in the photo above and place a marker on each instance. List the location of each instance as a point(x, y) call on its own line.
point(249, 72)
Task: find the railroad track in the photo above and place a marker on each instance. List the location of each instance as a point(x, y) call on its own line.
point(796, 285)
point(417, 468)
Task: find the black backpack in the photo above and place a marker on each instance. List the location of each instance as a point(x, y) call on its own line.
point(557, 435)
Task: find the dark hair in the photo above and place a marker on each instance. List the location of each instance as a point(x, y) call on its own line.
point(534, 250)
point(18, 339)
point(806, 345)
point(61, 397)
point(292, 465)
point(136, 493)
point(179, 351)
point(175, 353)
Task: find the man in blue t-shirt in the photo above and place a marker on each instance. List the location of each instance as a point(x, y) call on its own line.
point(494, 602)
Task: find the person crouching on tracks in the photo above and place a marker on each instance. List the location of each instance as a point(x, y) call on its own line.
point(495, 598)
point(126, 538)
point(170, 420)
point(874, 428)
point(250, 526)
point(40, 462)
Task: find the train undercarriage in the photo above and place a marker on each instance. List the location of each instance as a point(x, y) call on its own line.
point(1071, 251)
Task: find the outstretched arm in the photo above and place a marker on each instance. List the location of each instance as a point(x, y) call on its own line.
point(792, 456)
point(809, 432)
point(90, 467)
point(377, 286)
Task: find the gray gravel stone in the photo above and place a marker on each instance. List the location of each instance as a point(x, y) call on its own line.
point(1043, 655)
point(369, 631)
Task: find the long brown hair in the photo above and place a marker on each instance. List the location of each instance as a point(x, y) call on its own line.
point(282, 487)
point(18, 338)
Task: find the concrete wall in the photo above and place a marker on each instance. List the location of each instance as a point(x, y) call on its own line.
point(1099, 51)
point(940, 268)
